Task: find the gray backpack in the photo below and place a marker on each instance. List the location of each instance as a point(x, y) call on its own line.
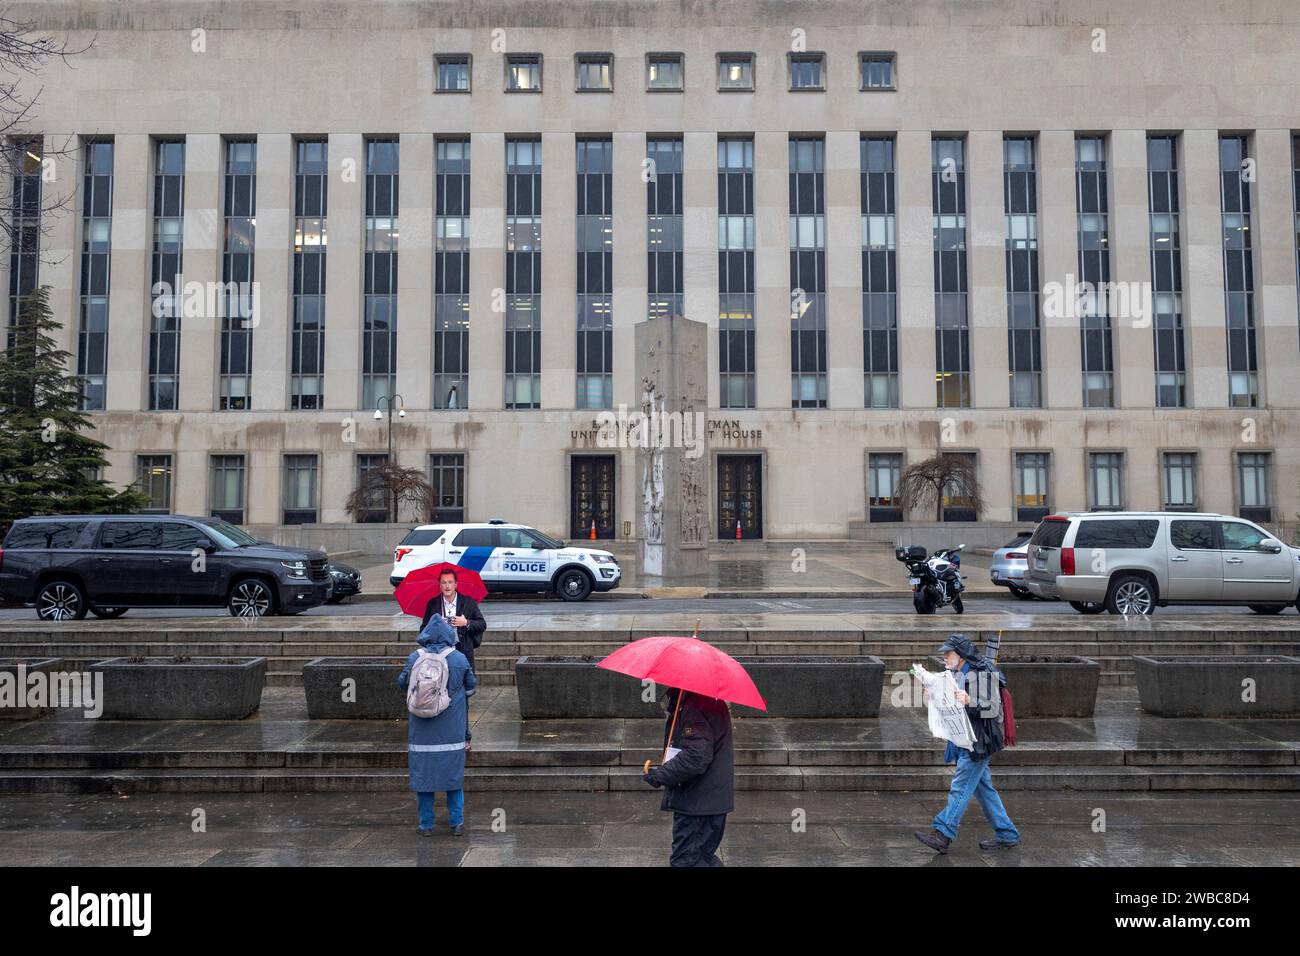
point(426, 693)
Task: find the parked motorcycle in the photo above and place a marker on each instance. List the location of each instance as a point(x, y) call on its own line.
point(936, 579)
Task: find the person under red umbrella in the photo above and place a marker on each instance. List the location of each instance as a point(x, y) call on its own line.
point(698, 767)
point(460, 610)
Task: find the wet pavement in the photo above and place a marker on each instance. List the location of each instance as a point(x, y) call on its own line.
point(627, 829)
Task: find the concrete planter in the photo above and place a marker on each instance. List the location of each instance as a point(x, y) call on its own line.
point(1215, 686)
point(1049, 686)
point(574, 687)
point(9, 709)
point(162, 688)
point(373, 693)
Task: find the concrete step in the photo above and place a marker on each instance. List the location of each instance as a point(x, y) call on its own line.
point(812, 758)
point(618, 778)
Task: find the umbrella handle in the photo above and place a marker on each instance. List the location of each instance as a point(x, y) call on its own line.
point(673, 726)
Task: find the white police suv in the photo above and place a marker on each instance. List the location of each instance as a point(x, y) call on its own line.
point(509, 558)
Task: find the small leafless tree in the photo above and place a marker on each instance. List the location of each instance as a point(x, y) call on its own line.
point(24, 151)
point(399, 491)
point(925, 484)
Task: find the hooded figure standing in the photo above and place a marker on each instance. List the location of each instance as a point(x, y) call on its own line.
point(436, 745)
point(979, 687)
point(699, 782)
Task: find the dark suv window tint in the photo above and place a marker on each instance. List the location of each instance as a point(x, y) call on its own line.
point(44, 534)
point(1050, 534)
point(1241, 537)
point(421, 536)
point(1193, 535)
point(1111, 533)
point(129, 535)
point(182, 537)
point(476, 538)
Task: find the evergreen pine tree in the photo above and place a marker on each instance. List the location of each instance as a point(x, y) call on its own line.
point(47, 461)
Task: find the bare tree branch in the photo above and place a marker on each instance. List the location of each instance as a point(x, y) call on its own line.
point(925, 484)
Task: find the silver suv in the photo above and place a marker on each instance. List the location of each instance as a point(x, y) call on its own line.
point(1129, 562)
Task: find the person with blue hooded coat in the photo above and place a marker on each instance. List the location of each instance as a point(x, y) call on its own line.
point(979, 686)
point(436, 745)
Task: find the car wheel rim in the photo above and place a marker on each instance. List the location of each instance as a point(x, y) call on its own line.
point(1133, 598)
point(59, 603)
point(572, 585)
point(251, 600)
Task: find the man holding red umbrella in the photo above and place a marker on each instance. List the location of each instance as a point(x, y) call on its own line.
point(698, 780)
point(461, 612)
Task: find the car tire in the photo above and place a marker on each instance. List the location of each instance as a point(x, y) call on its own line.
point(1130, 594)
point(61, 600)
point(1088, 607)
point(573, 585)
point(1023, 593)
point(1268, 608)
point(108, 613)
point(251, 597)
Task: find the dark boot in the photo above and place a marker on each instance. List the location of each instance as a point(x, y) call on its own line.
point(934, 840)
point(996, 844)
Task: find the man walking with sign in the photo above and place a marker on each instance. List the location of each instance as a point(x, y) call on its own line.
point(979, 690)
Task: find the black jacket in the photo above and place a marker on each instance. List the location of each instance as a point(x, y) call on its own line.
point(699, 781)
point(984, 685)
point(471, 635)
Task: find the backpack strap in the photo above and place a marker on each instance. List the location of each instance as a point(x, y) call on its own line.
point(447, 653)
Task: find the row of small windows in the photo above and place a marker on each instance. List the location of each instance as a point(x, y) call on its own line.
point(664, 72)
point(1032, 495)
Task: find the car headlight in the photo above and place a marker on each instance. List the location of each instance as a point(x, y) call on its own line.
point(297, 569)
point(603, 559)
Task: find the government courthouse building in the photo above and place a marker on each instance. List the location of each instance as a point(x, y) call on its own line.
point(303, 238)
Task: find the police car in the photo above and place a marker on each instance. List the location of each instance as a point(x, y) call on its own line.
point(509, 558)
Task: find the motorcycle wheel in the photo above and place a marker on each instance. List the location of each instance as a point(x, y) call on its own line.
point(956, 603)
point(921, 602)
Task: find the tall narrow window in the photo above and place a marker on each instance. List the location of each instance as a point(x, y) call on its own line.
point(523, 360)
point(665, 285)
point(1106, 481)
point(736, 272)
point(951, 315)
point(1166, 272)
point(884, 474)
point(376, 503)
point(301, 489)
point(237, 319)
point(807, 272)
point(451, 275)
point(310, 245)
point(153, 479)
point(379, 331)
point(595, 279)
point(96, 249)
point(226, 488)
point(1238, 273)
point(1024, 330)
point(1178, 481)
point(165, 274)
point(447, 478)
point(1031, 485)
point(1254, 500)
point(879, 273)
point(1092, 205)
point(25, 157)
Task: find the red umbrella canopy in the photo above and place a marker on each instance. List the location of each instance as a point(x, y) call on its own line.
point(688, 663)
point(421, 586)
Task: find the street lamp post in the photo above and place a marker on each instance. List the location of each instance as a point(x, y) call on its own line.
point(379, 414)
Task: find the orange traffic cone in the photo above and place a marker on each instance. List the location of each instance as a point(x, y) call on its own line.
point(738, 535)
point(592, 536)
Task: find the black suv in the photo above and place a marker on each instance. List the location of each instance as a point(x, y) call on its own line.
point(68, 565)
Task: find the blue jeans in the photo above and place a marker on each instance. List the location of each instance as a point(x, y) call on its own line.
point(973, 779)
point(455, 808)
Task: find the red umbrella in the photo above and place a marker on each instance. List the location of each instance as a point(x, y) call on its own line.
point(690, 664)
point(421, 586)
